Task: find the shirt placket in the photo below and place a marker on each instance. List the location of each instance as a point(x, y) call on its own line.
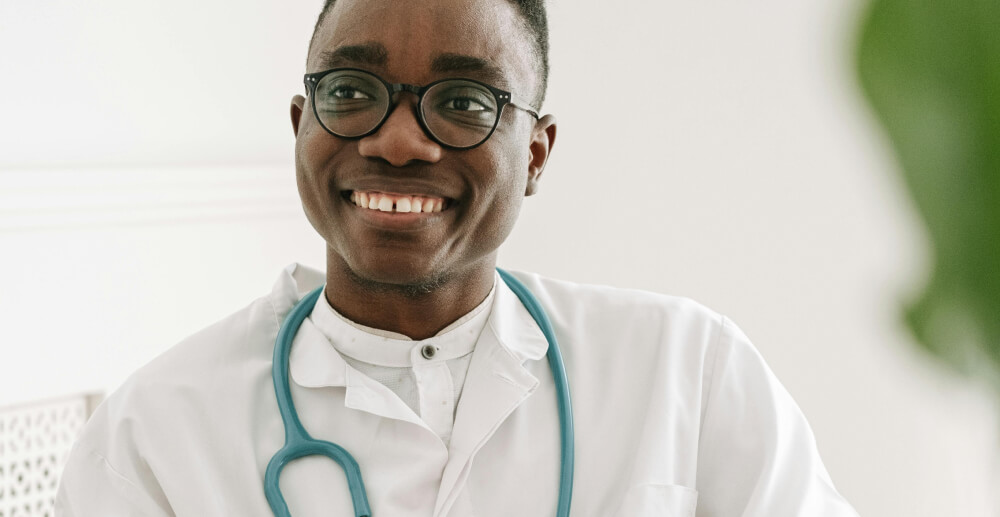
point(435, 389)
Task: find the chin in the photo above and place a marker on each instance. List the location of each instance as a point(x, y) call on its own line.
point(414, 277)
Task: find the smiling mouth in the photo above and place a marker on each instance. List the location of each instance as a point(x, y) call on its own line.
point(397, 203)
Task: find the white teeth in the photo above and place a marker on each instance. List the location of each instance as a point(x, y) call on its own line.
point(396, 203)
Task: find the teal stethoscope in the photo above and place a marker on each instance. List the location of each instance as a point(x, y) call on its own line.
point(299, 444)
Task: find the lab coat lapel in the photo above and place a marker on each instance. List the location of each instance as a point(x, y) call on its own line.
point(496, 384)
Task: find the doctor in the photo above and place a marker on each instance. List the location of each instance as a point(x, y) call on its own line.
point(416, 358)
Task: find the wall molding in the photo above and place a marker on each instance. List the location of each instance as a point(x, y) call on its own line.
point(38, 200)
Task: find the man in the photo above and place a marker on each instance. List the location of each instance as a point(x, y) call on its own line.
point(416, 358)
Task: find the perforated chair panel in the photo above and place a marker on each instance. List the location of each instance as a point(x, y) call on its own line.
point(35, 440)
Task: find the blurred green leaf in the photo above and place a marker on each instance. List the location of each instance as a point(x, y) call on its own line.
point(931, 70)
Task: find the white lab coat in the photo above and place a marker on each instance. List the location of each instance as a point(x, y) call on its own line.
point(676, 415)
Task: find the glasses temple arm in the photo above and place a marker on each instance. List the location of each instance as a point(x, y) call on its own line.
point(523, 104)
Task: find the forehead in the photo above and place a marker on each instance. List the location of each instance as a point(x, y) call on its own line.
point(410, 40)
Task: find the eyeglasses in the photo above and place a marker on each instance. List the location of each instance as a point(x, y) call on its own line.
point(456, 113)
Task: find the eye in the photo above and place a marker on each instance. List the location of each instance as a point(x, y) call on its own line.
point(348, 92)
point(464, 104)
point(349, 87)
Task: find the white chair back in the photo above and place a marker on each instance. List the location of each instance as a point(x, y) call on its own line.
point(35, 439)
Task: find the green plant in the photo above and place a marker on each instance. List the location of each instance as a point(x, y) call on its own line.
point(931, 70)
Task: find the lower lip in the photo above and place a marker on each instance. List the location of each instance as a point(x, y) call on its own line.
point(398, 220)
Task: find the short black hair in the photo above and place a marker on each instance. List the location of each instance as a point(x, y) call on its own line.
point(536, 22)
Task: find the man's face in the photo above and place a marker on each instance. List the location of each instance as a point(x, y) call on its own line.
point(482, 188)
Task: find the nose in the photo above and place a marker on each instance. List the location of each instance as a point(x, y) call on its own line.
point(401, 140)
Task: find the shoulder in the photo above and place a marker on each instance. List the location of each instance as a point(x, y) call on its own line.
point(609, 329)
point(615, 307)
point(237, 337)
point(149, 418)
point(224, 347)
point(211, 367)
point(183, 375)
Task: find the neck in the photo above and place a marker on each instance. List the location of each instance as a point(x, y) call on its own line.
point(417, 309)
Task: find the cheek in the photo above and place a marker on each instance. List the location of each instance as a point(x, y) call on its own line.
point(314, 152)
point(502, 218)
point(313, 143)
point(508, 176)
point(311, 203)
point(514, 164)
point(506, 194)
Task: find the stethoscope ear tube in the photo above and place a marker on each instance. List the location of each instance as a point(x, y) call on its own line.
point(562, 389)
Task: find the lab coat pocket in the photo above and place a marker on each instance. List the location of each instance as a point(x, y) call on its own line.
point(659, 500)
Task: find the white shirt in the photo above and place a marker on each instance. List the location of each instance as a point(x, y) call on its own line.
point(676, 415)
point(429, 386)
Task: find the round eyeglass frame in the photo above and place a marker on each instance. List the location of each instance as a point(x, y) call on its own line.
point(502, 97)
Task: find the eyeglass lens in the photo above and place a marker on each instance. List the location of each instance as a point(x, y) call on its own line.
point(458, 113)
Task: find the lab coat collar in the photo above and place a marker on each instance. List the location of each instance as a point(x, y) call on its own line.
point(294, 282)
point(515, 329)
point(312, 362)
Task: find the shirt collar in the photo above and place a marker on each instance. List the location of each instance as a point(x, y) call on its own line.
point(315, 362)
point(385, 348)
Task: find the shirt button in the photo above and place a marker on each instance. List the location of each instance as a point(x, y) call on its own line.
point(428, 351)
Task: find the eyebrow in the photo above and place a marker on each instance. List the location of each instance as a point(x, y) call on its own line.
point(372, 54)
point(483, 69)
point(376, 55)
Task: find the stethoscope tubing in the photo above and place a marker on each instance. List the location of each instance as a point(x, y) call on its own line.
point(562, 389)
point(298, 442)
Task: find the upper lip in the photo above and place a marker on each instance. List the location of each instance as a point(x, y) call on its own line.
point(402, 187)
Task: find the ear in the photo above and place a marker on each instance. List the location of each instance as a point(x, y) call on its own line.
point(297, 105)
point(543, 137)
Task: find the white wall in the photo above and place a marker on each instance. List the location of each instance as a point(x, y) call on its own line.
point(717, 152)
